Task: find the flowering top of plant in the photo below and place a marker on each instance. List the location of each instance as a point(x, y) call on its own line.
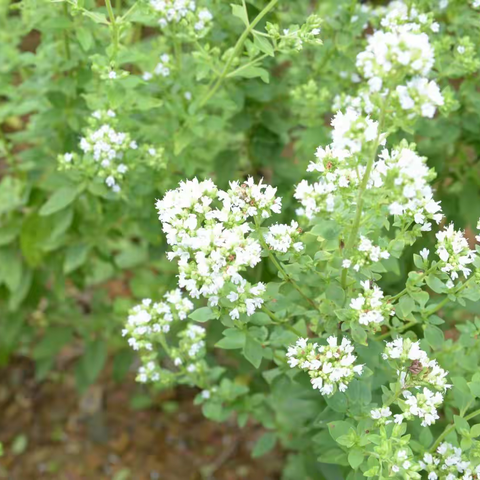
point(212, 241)
point(369, 307)
point(410, 196)
point(391, 54)
point(330, 366)
point(448, 463)
point(414, 366)
point(150, 318)
point(175, 11)
point(107, 153)
point(454, 252)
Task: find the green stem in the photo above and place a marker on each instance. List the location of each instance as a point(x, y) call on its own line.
point(401, 329)
point(118, 6)
point(445, 300)
point(236, 51)
point(6, 147)
point(66, 39)
point(163, 343)
point(277, 321)
point(113, 27)
point(363, 186)
point(246, 65)
point(450, 427)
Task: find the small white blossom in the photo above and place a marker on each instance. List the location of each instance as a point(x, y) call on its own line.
point(330, 367)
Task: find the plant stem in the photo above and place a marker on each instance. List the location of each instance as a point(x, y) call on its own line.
point(277, 321)
point(246, 65)
point(445, 300)
point(285, 275)
point(66, 39)
point(113, 27)
point(236, 51)
point(449, 428)
point(363, 186)
point(401, 329)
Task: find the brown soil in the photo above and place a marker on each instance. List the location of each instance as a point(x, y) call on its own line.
point(49, 432)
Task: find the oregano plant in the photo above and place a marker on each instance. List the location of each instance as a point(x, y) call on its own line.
point(340, 367)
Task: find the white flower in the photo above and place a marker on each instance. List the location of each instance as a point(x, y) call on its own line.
point(330, 367)
point(281, 238)
point(369, 307)
point(424, 253)
point(426, 371)
point(454, 252)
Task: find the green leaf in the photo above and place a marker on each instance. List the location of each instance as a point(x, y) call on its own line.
point(233, 339)
point(260, 319)
point(339, 428)
point(253, 350)
point(434, 336)
point(202, 315)
point(252, 72)
point(132, 256)
point(121, 364)
point(406, 304)
point(240, 12)
point(264, 444)
point(475, 430)
point(90, 365)
point(58, 201)
point(84, 37)
point(461, 425)
point(11, 269)
point(75, 257)
point(435, 284)
point(355, 458)
point(336, 294)
point(263, 44)
point(52, 342)
point(359, 335)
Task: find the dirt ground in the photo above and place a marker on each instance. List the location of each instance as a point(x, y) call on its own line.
point(49, 432)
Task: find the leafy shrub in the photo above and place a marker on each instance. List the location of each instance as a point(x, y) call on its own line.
point(348, 330)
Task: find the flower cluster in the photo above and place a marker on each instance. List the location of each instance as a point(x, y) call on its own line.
point(454, 252)
point(415, 368)
point(338, 168)
point(295, 37)
point(366, 254)
point(404, 465)
point(448, 463)
point(381, 415)
point(174, 11)
point(108, 153)
point(208, 230)
point(245, 298)
point(422, 405)
point(191, 347)
point(330, 367)
point(393, 54)
point(150, 319)
point(369, 307)
point(162, 69)
point(420, 96)
point(398, 14)
point(284, 238)
point(351, 130)
point(407, 176)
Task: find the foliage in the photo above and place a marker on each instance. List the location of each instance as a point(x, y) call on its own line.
point(348, 331)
